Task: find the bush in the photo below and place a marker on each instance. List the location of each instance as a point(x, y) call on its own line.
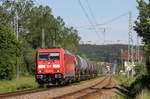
point(27, 59)
point(145, 94)
point(9, 51)
point(140, 69)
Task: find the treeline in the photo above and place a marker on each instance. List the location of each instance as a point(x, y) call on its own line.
point(110, 53)
point(32, 21)
point(142, 27)
point(104, 53)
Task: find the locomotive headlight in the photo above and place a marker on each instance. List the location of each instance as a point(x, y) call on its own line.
point(56, 66)
point(41, 66)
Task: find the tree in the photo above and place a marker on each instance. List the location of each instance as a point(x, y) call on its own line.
point(143, 27)
point(31, 21)
point(143, 21)
point(140, 69)
point(9, 51)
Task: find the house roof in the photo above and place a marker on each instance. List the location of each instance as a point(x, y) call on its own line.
point(135, 55)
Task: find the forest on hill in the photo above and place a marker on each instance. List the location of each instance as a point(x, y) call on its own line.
point(103, 53)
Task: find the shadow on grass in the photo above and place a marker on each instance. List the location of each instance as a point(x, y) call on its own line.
point(130, 92)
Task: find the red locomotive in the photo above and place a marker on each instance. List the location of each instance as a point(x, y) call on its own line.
point(59, 66)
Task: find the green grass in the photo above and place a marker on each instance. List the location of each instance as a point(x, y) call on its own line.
point(134, 87)
point(125, 82)
point(145, 94)
point(124, 79)
point(118, 97)
point(25, 83)
point(17, 84)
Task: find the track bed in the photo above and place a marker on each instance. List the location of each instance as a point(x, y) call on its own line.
point(92, 89)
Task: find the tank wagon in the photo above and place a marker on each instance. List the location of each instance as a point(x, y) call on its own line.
point(59, 66)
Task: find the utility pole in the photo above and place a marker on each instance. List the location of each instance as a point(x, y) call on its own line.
point(16, 32)
point(17, 29)
point(137, 49)
point(104, 33)
point(54, 40)
point(43, 32)
point(122, 64)
point(43, 38)
point(130, 45)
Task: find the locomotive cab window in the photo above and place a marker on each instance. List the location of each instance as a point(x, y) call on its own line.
point(54, 56)
point(43, 56)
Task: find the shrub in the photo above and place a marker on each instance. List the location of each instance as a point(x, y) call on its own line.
point(9, 51)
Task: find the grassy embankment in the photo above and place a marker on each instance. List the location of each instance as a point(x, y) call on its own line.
point(26, 83)
point(17, 84)
point(124, 81)
point(133, 87)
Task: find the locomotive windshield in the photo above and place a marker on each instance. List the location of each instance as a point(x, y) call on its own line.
point(43, 56)
point(49, 56)
point(54, 56)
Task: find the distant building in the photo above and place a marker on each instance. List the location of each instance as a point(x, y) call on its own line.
point(138, 56)
point(108, 66)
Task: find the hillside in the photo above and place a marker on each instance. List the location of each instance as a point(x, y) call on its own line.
point(107, 53)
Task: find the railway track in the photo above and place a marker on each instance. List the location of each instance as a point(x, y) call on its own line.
point(27, 91)
point(85, 93)
point(16, 93)
point(81, 91)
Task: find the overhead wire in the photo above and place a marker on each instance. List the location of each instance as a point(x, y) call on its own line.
point(91, 12)
point(107, 22)
point(88, 18)
point(95, 21)
point(114, 19)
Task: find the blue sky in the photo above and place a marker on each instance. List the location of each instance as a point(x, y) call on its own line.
point(103, 11)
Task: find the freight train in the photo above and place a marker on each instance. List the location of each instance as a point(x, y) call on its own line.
point(59, 66)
